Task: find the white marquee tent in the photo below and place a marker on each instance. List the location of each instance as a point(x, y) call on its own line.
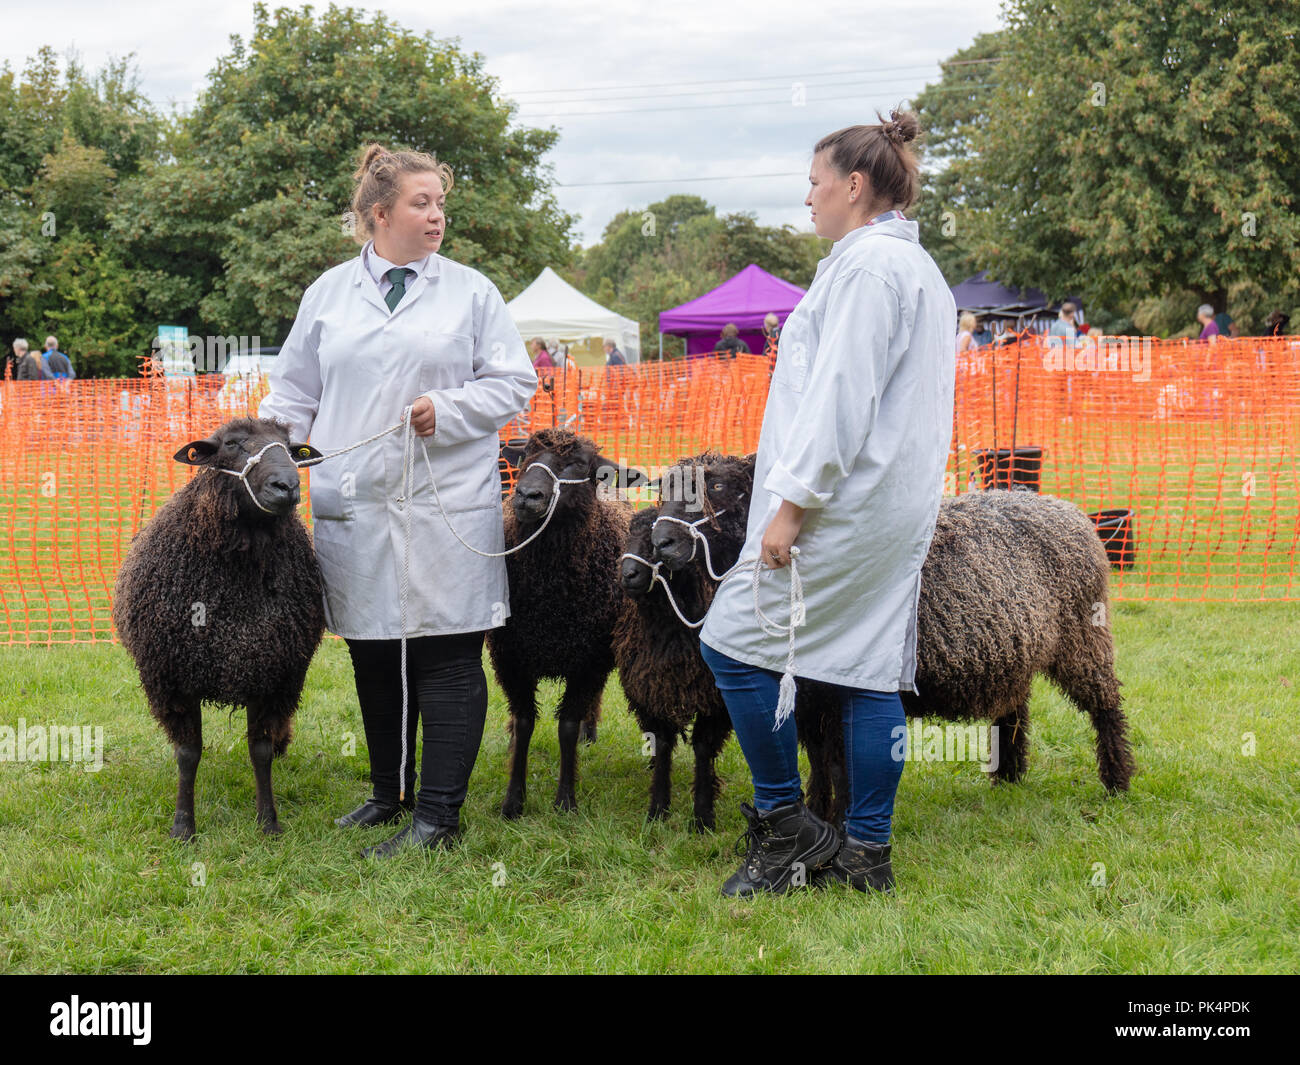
point(552, 308)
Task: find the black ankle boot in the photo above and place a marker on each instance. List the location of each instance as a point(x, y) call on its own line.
point(376, 812)
point(419, 833)
point(864, 865)
point(786, 846)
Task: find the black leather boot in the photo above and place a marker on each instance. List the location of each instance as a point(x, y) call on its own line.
point(418, 833)
point(864, 865)
point(786, 846)
point(376, 812)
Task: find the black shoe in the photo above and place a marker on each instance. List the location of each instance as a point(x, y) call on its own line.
point(376, 812)
point(786, 846)
point(864, 865)
point(418, 833)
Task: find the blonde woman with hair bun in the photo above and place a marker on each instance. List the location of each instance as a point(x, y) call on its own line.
point(401, 325)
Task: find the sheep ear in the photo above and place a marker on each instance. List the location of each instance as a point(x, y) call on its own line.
point(303, 452)
point(198, 452)
point(513, 450)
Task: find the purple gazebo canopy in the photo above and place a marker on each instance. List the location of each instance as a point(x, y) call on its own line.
point(745, 299)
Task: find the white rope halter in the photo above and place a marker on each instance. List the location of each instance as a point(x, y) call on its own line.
point(252, 461)
point(798, 610)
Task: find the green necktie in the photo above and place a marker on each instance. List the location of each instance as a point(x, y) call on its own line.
point(397, 275)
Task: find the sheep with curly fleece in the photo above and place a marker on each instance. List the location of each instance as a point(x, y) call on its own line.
point(669, 687)
point(565, 596)
point(1015, 585)
point(667, 682)
point(219, 600)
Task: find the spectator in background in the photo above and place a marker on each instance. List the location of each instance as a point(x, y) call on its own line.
point(1064, 325)
point(613, 357)
point(771, 338)
point(1227, 327)
point(12, 359)
point(56, 362)
point(1276, 324)
point(983, 334)
point(541, 357)
point(31, 367)
point(731, 345)
point(1205, 315)
point(965, 333)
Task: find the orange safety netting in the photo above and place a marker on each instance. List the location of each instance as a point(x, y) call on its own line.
point(1185, 452)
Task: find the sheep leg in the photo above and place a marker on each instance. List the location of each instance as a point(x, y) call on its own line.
point(581, 697)
point(1098, 696)
point(587, 734)
point(707, 737)
point(522, 698)
point(260, 750)
point(186, 731)
point(661, 770)
point(817, 718)
point(1013, 744)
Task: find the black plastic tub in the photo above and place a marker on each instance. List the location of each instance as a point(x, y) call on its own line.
point(1118, 536)
point(1025, 474)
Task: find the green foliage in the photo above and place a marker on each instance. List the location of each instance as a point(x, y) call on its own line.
point(1136, 149)
point(219, 220)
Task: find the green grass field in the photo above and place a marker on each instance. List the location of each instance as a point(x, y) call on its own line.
point(1201, 863)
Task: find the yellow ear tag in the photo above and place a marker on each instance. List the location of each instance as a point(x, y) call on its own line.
point(304, 451)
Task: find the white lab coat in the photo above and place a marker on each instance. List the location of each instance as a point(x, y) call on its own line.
point(857, 429)
point(346, 371)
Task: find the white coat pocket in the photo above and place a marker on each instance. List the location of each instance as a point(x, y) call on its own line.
point(446, 360)
point(328, 503)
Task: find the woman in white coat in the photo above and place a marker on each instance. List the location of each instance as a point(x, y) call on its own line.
point(849, 472)
point(398, 326)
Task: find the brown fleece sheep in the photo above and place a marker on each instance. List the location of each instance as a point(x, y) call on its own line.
point(220, 601)
point(564, 598)
point(1014, 585)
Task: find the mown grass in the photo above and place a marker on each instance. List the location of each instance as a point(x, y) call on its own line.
point(1201, 864)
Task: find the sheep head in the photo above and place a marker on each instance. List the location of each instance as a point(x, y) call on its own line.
point(272, 480)
point(570, 457)
point(638, 577)
point(712, 490)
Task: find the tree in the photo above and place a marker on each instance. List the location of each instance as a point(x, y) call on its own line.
point(271, 147)
point(1140, 148)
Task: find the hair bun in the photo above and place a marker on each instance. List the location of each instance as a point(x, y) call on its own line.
point(370, 155)
point(902, 127)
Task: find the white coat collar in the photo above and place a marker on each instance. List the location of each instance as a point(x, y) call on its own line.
point(893, 227)
point(376, 266)
point(426, 269)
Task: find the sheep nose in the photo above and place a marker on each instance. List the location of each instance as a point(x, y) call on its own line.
point(662, 541)
point(284, 485)
point(531, 496)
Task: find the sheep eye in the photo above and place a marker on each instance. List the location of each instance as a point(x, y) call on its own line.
point(716, 488)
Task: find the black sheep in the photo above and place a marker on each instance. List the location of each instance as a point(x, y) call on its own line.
point(564, 598)
point(219, 600)
point(668, 685)
point(712, 492)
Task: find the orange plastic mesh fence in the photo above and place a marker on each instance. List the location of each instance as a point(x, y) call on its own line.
point(1185, 452)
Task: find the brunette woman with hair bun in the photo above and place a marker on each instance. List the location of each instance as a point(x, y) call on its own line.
point(400, 325)
point(849, 473)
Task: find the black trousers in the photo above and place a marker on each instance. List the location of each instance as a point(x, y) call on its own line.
point(447, 690)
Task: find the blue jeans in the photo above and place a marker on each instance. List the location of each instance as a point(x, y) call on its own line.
point(870, 720)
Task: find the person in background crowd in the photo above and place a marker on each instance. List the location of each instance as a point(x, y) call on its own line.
point(1227, 327)
point(965, 333)
point(1064, 326)
point(983, 334)
point(1276, 324)
point(771, 338)
point(541, 357)
point(1205, 315)
point(31, 367)
point(14, 358)
point(56, 362)
point(613, 357)
point(730, 344)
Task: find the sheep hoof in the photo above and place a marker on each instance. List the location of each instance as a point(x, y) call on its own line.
point(703, 823)
point(182, 830)
point(271, 828)
point(587, 733)
point(512, 809)
point(565, 803)
point(657, 813)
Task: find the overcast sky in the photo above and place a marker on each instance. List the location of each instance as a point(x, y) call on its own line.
point(688, 89)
